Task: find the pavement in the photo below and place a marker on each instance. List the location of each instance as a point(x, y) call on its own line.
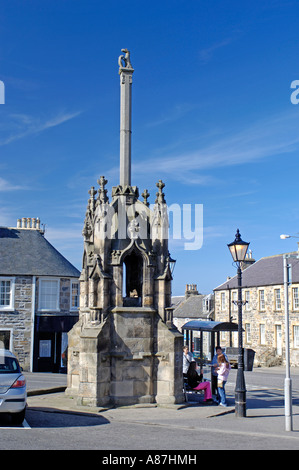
point(265, 419)
point(46, 390)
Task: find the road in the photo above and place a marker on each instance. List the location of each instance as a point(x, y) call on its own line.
point(162, 429)
point(44, 380)
point(266, 378)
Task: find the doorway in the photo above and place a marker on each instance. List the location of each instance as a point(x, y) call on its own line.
point(51, 351)
point(46, 351)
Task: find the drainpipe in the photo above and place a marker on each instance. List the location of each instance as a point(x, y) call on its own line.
point(32, 321)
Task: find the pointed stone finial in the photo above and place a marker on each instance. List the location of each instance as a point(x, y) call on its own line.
point(91, 201)
point(145, 196)
point(160, 195)
point(102, 197)
point(92, 192)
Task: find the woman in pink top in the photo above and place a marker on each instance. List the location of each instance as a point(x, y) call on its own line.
point(222, 371)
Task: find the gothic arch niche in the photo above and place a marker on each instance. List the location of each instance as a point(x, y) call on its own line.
point(132, 279)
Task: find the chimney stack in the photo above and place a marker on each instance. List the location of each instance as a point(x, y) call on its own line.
point(191, 289)
point(248, 261)
point(29, 223)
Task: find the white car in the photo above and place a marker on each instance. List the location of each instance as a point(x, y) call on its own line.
point(13, 392)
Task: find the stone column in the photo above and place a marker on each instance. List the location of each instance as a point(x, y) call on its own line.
point(125, 72)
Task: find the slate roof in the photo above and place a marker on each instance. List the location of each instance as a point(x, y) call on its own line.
point(27, 252)
point(264, 272)
point(192, 307)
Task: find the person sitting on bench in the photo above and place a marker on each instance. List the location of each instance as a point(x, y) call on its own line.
point(195, 382)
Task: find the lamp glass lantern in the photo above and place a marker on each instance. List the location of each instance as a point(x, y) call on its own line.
point(238, 248)
point(172, 263)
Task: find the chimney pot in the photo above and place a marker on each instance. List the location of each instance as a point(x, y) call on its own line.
point(191, 289)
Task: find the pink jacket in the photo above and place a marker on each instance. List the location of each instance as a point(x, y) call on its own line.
point(223, 371)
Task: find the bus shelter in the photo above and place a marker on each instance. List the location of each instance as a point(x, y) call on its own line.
point(214, 329)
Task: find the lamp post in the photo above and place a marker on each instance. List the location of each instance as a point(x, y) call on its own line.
point(238, 249)
point(288, 381)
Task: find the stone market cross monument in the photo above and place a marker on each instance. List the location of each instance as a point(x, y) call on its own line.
point(124, 349)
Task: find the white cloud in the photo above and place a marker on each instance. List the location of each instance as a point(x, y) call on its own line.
point(206, 54)
point(263, 139)
point(6, 186)
point(19, 126)
point(71, 232)
point(177, 112)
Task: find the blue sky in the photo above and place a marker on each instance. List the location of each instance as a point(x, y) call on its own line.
point(212, 117)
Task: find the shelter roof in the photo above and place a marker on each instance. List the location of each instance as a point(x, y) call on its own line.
point(199, 325)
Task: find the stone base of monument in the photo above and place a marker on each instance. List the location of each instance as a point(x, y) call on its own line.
point(142, 365)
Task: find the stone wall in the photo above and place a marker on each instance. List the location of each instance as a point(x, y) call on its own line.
point(131, 357)
point(19, 320)
point(267, 346)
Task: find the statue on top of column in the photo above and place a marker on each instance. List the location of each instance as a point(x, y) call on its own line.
point(126, 59)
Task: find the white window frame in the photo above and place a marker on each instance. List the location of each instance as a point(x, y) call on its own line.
point(248, 332)
point(247, 299)
point(71, 295)
point(296, 336)
point(295, 299)
point(10, 338)
point(278, 338)
point(262, 333)
point(277, 299)
point(234, 300)
point(262, 305)
point(47, 279)
point(11, 306)
point(222, 301)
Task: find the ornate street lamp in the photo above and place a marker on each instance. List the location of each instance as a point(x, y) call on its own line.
point(172, 263)
point(238, 249)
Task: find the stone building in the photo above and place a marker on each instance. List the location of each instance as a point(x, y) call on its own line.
point(263, 313)
point(39, 297)
point(192, 306)
point(124, 348)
